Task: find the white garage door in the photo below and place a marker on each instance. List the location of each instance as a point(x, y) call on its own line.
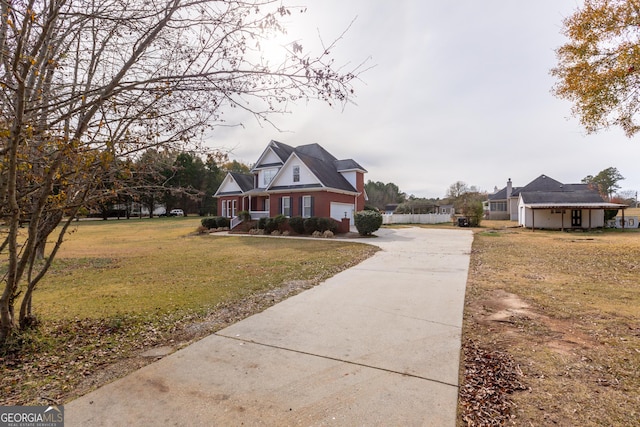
point(338, 211)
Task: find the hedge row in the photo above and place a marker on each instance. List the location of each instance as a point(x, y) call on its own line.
point(215, 222)
point(298, 224)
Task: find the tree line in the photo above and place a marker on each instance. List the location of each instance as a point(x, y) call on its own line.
point(162, 180)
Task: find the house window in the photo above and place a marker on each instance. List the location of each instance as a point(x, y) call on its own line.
point(306, 207)
point(286, 206)
point(234, 205)
point(267, 176)
point(296, 174)
point(498, 206)
point(224, 208)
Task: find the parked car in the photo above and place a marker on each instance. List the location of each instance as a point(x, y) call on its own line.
point(176, 212)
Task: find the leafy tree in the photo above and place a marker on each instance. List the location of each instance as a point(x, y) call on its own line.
point(381, 194)
point(86, 86)
point(599, 67)
point(467, 200)
point(606, 182)
point(457, 189)
point(236, 166)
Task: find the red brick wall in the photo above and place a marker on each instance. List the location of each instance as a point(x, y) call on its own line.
point(238, 200)
point(321, 202)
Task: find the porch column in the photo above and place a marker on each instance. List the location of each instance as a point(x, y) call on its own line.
point(533, 219)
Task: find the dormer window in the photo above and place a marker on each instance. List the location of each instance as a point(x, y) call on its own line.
point(296, 174)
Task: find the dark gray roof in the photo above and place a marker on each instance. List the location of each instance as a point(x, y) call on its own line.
point(502, 194)
point(348, 164)
point(315, 151)
point(282, 150)
point(562, 197)
point(541, 183)
point(245, 181)
point(325, 171)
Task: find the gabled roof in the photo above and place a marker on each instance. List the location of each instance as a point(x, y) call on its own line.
point(502, 194)
point(325, 167)
point(541, 183)
point(245, 181)
point(326, 172)
point(282, 151)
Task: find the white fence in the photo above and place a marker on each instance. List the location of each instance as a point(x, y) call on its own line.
point(415, 218)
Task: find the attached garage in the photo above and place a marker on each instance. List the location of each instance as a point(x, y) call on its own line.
point(342, 210)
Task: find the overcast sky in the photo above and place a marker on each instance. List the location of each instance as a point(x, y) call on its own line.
point(460, 91)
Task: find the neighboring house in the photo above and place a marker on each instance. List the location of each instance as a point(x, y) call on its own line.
point(445, 209)
point(503, 204)
point(301, 181)
point(547, 203)
point(390, 208)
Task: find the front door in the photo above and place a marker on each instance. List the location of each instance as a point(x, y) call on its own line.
point(576, 218)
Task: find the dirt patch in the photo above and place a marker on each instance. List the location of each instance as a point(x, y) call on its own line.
point(558, 315)
point(510, 312)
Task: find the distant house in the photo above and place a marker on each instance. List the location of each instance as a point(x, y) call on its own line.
point(301, 181)
point(547, 203)
point(445, 209)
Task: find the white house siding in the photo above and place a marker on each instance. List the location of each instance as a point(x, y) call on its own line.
point(549, 218)
point(285, 176)
point(229, 186)
point(352, 177)
point(269, 158)
point(338, 211)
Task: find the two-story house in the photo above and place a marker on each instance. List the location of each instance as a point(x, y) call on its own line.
point(301, 181)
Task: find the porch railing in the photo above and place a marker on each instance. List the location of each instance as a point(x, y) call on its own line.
point(236, 220)
point(259, 214)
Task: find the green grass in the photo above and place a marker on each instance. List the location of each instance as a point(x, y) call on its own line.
point(120, 286)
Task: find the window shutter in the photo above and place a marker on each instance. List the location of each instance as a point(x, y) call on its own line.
point(312, 205)
point(279, 205)
point(300, 206)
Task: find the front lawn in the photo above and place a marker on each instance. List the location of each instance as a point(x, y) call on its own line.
point(119, 287)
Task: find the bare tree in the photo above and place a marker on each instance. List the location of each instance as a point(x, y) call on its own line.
point(87, 84)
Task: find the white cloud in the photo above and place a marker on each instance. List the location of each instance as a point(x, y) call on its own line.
point(460, 91)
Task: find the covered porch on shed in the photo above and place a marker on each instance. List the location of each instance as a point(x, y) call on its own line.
point(566, 215)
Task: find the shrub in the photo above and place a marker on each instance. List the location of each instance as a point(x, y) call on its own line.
point(367, 222)
point(274, 224)
point(244, 215)
point(280, 221)
point(327, 224)
point(209, 222)
point(297, 224)
point(310, 225)
point(222, 222)
point(262, 223)
point(269, 226)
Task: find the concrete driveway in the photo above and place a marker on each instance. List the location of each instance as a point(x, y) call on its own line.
point(375, 345)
